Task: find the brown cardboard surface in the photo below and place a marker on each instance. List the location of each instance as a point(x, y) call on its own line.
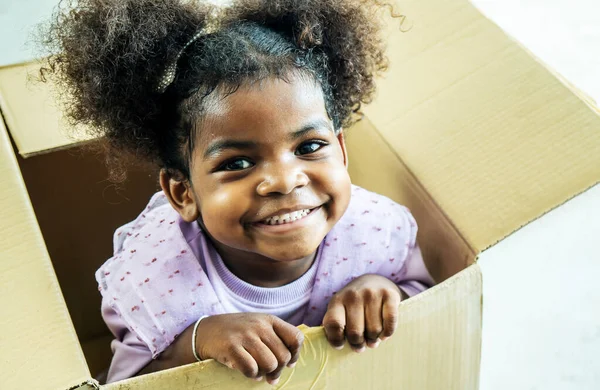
point(375, 166)
point(492, 135)
point(98, 354)
point(31, 112)
point(78, 210)
point(468, 130)
point(37, 340)
point(436, 346)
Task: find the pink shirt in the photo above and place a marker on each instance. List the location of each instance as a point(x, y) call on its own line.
point(165, 274)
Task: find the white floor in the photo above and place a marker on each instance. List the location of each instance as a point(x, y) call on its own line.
point(541, 311)
point(541, 297)
point(541, 321)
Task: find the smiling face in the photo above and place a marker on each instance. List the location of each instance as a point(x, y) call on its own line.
point(268, 172)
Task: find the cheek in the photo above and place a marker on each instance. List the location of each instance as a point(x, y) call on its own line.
point(336, 182)
point(222, 210)
point(343, 188)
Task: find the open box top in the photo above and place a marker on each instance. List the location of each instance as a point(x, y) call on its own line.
point(494, 137)
point(30, 111)
point(470, 131)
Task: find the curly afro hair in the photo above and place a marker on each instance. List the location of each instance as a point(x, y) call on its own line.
point(110, 56)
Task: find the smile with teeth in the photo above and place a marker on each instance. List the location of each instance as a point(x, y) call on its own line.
point(287, 218)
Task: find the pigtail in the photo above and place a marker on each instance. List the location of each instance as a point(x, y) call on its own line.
point(108, 57)
point(346, 32)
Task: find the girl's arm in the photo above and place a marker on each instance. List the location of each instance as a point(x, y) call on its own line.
point(178, 353)
point(255, 344)
point(416, 278)
point(129, 354)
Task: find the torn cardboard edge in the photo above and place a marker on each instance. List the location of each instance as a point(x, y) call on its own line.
point(90, 384)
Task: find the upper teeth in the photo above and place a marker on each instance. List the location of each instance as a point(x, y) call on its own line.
point(285, 218)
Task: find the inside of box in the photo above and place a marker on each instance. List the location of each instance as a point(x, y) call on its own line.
point(374, 165)
point(472, 135)
point(78, 209)
point(22, 93)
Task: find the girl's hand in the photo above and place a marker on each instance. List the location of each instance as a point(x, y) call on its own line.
point(364, 312)
point(255, 344)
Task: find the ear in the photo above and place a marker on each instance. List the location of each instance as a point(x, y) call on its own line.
point(180, 195)
point(342, 142)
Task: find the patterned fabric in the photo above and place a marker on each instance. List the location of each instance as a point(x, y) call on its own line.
point(158, 284)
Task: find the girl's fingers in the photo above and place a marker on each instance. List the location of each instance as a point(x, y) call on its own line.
point(391, 301)
point(281, 353)
point(240, 359)
point(291, 337)
point(373, 319)
point(265, 359)
point(334, 324)
point(355, 324)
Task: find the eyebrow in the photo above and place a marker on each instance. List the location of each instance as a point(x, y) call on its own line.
point(221, 145)
point(311, 126)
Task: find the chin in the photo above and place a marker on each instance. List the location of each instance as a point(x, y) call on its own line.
point(291, 254)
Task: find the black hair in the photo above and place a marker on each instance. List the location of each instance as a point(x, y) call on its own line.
point(110, 56)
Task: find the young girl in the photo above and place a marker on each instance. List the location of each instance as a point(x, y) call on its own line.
point(257, 228)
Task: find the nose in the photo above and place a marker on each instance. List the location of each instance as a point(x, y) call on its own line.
point(282, 179)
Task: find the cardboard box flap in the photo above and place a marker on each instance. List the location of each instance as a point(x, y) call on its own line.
point(494, 137)
point(436, 346)
point(31, 112)
point(39, 345)
point(444, 250)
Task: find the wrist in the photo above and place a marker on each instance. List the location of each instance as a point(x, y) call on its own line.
point(195, 349)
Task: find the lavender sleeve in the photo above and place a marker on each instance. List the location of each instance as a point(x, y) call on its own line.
point(130, 355)
point(416, 278)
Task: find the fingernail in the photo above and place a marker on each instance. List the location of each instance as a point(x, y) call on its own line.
point(274, 381)
point(383, 338)
point(258, 378)
point(338, 347)
point(360, 350)
point(374, 344)
point(292, 365)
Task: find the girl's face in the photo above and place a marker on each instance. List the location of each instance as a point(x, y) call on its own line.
point(268, 173)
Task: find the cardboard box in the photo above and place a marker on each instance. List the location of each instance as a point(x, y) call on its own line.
point(468, 130)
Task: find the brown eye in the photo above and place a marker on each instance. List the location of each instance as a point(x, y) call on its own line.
point(309, 147)
point(236, 165)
